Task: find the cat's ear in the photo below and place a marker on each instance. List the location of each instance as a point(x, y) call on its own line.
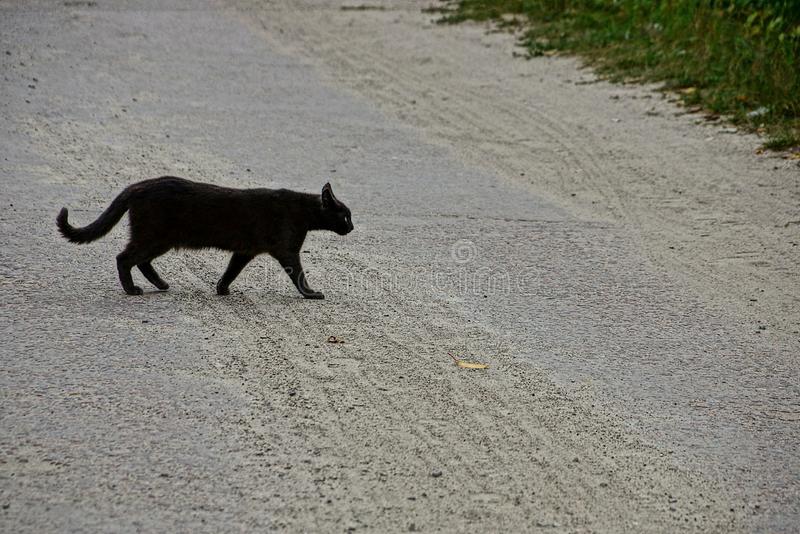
point(328, 200)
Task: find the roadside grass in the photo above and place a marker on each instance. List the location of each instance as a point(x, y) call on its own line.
point(735, 58)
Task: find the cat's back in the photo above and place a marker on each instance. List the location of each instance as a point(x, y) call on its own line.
point(175, 187)
point(175, 194)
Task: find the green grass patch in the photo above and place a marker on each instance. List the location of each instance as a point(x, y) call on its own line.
point(738, 58)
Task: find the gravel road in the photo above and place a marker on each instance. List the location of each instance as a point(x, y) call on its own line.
point(629, 276)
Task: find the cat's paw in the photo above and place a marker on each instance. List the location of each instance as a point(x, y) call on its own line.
point(314, 295)
point(163, 286)
point(135, 290)
point(223, 290)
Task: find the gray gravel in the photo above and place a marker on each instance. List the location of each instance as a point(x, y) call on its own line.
point(618, 397)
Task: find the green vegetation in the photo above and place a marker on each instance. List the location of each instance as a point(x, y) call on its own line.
point(738, 58)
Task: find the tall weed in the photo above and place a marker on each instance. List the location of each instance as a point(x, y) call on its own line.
point(740, 58)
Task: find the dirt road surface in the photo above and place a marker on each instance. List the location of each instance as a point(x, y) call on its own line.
point(629, 276)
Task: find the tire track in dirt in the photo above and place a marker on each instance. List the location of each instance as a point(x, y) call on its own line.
point(488, 424)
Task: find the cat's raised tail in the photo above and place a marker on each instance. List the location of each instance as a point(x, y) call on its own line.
point(98, 228)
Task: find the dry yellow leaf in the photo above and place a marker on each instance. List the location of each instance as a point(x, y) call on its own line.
point(471, 365)
point(468, 365)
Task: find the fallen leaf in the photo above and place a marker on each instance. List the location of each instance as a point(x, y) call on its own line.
point(334, 339)
point(471, 365)
point(468, 365)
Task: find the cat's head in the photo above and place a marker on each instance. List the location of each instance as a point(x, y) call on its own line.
point(336, 214)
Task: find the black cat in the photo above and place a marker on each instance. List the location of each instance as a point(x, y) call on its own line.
point(168, 212)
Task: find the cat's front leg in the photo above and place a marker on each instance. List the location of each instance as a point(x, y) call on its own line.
point(293, 267)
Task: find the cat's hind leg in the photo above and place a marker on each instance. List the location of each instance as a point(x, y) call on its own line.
point(152, 275)
point(237, 263)
point(136, 255)
point(291, 264)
